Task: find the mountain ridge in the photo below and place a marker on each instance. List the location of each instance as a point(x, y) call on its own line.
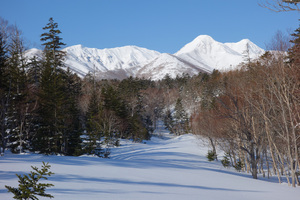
point(203, 54)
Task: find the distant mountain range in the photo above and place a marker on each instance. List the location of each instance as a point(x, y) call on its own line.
point(203, 54)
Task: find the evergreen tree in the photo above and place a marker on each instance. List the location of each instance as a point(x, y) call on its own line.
point(294, 51)
point(18, 112)
point(52, 45)
point(169, 121)
point(4, 89)
point(71, 116)
point(93, 118)
point(52, 94)
point(180, 118)
point(29, 186)
point(34, 71)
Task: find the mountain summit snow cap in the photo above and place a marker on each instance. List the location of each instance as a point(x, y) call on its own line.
point(203, 54)
point(206, 52)
point(198, 42)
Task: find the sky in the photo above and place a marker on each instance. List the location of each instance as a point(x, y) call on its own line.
point(161, 25)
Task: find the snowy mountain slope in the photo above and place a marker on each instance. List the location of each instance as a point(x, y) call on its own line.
point(83, 60)
point(175, 168)
point(203, 54)
point(167, 64)
point(103, 60)
point(206, 52)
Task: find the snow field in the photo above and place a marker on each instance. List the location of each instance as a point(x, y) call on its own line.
point(170, 168)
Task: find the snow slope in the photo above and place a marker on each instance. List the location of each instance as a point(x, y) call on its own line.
point(203, 54)
point(83, 60)
point(171, 168)
point(103, 60)
point(167, 64)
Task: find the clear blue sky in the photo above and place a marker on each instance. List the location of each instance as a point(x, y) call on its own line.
point(161, 25)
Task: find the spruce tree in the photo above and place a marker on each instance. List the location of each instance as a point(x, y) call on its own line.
point(71, 118)
point(18, 112)
point(29, 186)
point(294, 51)
point(93, 117)
point(53, 44)
point(180, 118)
point(169, 121)
point(3, 90)
point(52, 95)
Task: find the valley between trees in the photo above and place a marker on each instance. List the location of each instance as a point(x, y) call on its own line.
point(251, 113)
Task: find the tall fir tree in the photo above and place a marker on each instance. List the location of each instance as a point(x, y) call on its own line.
point(93, 119)
point(18, 112)
point(294, 51)
point(3, 88)
point(52, 95)
point(180, 118)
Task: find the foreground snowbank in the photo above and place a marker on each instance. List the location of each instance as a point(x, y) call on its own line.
point(170, 168)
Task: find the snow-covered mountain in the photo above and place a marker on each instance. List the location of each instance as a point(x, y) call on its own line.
point(168, 64)
point(204, 51)
point(124, 59)
point(203, 54)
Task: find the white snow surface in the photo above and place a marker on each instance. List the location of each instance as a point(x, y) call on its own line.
point(203, 54)
point(167, 167)
point(167, 64)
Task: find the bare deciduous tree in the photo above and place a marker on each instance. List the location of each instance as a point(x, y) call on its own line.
point(281, 5)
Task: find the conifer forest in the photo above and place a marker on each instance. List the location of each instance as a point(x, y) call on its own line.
point(252, 113)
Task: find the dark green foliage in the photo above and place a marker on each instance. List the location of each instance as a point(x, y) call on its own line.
point(225, 161)
point(58, 114)
point(181, 122)
point(294, 51)
point(168, 121)
point(4, 88)
point(137, 129)
point(34, 71)
point(52, 43)
point(239, 166)
point(71, 114)
point(211, 156)
point(30, 186)
point(93, 128)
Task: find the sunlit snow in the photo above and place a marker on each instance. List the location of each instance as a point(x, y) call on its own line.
point(167, 167)
point(203, 54)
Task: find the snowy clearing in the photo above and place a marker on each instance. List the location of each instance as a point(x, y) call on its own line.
point(170, 168)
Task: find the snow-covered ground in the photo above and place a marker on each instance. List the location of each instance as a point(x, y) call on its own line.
point(164, 168)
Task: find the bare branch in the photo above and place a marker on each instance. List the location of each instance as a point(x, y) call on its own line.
point(281, 5)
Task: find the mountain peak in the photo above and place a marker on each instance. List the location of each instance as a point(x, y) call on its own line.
point(203, 54)
point(200, 42)
point(203, 38)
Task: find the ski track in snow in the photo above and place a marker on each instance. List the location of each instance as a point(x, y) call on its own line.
point(161, 169)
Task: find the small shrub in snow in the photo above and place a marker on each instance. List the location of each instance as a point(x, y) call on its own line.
point(225, 161)
point(211, 156)
point(101, 152)
point(239, 166)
